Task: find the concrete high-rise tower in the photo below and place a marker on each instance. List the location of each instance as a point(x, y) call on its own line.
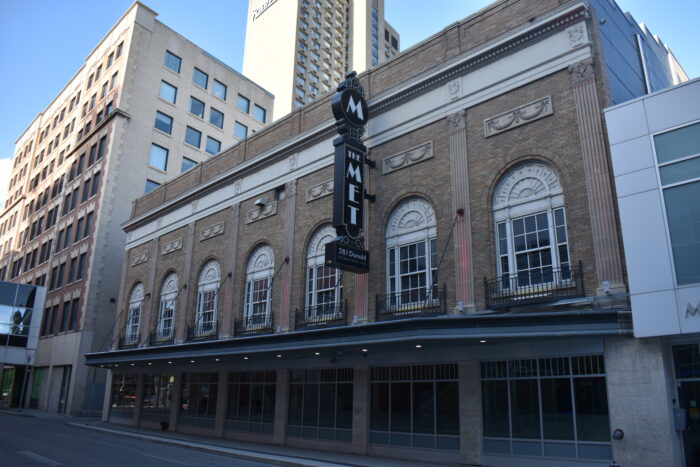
point(299, 49)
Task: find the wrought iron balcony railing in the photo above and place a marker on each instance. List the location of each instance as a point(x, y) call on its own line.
point(428, 301)
point(202, 331)
point(252, 325)
point(161, 337)
point(534, 286)
point(321, 316)
point(128, 340)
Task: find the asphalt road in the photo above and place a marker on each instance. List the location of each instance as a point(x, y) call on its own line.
point(33, 441)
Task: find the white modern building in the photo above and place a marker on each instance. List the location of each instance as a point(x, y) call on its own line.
point(655, 147)
point(144, 107)
point(301, 49)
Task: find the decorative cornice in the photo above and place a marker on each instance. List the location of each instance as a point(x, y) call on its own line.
point(172, 246)
point(139, 259)
point(319, 191)
point(257, 214)
point(407, 158)
point(211, 231)
point(519, 116)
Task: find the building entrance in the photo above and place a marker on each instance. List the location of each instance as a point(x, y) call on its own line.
point(686, 359)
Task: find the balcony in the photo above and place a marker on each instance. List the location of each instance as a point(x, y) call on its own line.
point(203, 331)
point(413, 303)
point(537, 286)
point(321, 316)
point(128, 341)
point(161, 337)
point(254, 325)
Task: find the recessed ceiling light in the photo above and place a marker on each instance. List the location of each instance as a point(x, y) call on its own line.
point(483, 341)
point(132, 364)
point(170, 363)
point(245, 358)
point(102, 366)
point(317, 353)
point(191, 361)
point(418, 346)
point(217, 359)
point(364, 350)
point(149, 363)
point(279, 355)
point(116, 364)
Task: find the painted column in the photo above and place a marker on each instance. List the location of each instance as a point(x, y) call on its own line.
point(599, 188)
point(464, 283)
point(175, 401)
point(279, 435)
point(107, 400)
point(227, 320)
point(470, 412)
point(360, 410)
point(290, 190)
point(221, 397)
point(183, 300)
point(138, 402)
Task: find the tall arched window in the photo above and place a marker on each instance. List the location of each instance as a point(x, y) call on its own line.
point(323, 289)
point(411, 252)
point(166, 310)
point(531, 240)
point(259, 272)
point(207, 298)
point(133, 319)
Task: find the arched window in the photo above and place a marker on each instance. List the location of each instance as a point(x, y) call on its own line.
point(411, 253)
point(166, 310)
point(259, 272)
point(207, 298)
point(323, 289)
point(133, 319)
point(531, 240)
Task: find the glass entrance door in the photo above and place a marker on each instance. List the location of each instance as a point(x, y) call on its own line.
point(689, 398)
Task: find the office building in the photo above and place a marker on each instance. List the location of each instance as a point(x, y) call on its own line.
point(493, 327)
point(302, 49)
point(145, 106)
point(655, 147)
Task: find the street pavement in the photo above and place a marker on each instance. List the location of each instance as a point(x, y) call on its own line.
point(50, 441)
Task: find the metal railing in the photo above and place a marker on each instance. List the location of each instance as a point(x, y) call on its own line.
point(252, 325)
point(161, 337)
point(201, 331)
point(428, 301)
point(321, 316)
point(128, 340)
point(534, 286)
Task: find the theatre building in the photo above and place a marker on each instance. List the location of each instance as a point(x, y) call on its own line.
point(493, 326)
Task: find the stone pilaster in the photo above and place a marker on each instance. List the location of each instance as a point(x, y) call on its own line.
point(360, 410)
point(151, 299)
point(470, 412)
point(595, 160)
point(227, 320)
point(183, 299)
point(279, 435)
point(464, 283)
point(120, 317)
point(290, 190)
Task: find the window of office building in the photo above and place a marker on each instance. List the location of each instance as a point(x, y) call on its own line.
point(123, 397)
point(678, 159)
point(251, 401)
point(200, 78)
point(216, 118)
point(157, 396)
point(240, 130)
point(193, 137)
point(198, 399)
point(151, 185)
point(163, 122)
point(415, 406)
point(219, 89)
point(320, 404)
point(243, 103)
point(167, 92)
point(158, 158)
point(258, 297)
point(551, 407)
point(187, 164)
point(259, 113)
point(213, 146)
point(172, 61)
point(196, 107)
point(531, 238)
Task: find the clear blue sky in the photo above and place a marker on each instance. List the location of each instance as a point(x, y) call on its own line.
point(44, 42)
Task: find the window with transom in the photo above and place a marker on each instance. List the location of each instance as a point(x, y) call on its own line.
point(207, 297)
point(259, 274)
point(133, 319)
point(323, 289)
point(166, 310)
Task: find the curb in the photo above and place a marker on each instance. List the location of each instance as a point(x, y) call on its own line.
point(233, 452)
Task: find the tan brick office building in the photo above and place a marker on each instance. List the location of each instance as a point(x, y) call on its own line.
point(492, 327)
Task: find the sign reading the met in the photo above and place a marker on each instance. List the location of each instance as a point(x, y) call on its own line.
point(350, 110)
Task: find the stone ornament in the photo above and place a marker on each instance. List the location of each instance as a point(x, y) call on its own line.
point(139, 259)
point(407, 158)
point(293, 159)
point(211, 272)
point(317, 245)
point(194, 206)
point(319, 191)
point(454, 89)
point(262, 212)
point(211, 231)
point(517, 117)
point(577, 35)
point(457, 121)
point(411, 215)
point(237, 187)
point(169, 285)
point(261, 259)
point(172, 246)
point(531, 180)
point(290, 188)
point(582, 71)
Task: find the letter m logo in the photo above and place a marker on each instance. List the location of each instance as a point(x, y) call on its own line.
point(692, 310)
point(355, 108)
